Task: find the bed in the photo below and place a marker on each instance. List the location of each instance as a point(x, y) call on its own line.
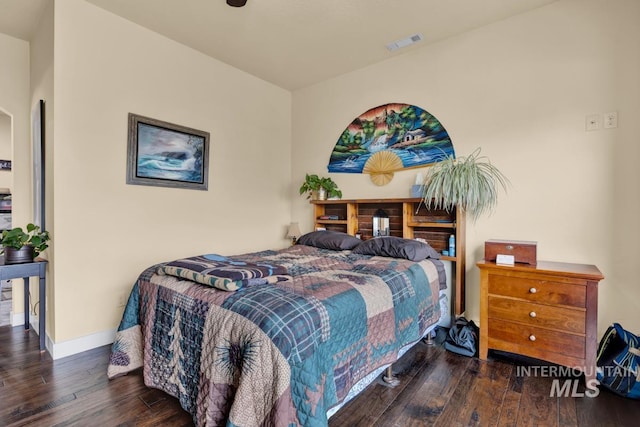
point(277, 337)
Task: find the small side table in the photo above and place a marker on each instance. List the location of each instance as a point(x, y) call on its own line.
point(37, 268)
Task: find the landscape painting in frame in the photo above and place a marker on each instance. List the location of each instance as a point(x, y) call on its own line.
point(166, 155)
point(409, 134)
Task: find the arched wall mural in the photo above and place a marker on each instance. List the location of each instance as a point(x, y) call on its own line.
point(389, 138)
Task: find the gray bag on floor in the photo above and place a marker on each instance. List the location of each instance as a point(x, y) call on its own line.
point(463, 338)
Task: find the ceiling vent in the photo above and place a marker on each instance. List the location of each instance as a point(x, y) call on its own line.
point(399, 44)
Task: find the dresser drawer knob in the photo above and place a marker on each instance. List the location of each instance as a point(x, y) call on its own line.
point(532, 290)
point(509, 247)
point(533, 314)
point(532, 337)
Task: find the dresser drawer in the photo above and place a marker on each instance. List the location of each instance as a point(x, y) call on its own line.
point(533, 341)
point(540, 315)
point(538, 290)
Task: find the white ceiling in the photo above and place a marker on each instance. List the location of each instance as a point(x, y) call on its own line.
point(291, 43)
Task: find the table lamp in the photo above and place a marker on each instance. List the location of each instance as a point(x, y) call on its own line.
point(294, 232)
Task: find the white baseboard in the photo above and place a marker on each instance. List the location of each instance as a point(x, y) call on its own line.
point(78, 345)
point(16, 319)
point(70, 347)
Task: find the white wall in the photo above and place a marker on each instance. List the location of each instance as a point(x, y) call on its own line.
point(107, 232)
point(14, 101)
point(41, 85)
point(520, 89)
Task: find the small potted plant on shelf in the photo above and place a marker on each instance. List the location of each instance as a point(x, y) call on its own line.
point(320, 188)
point(23, 246)
point(468, 182)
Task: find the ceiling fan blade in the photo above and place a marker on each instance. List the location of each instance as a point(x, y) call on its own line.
point(236, 3)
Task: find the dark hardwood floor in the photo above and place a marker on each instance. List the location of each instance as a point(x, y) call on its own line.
point(436, 388)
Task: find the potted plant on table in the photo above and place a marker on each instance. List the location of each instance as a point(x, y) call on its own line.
point(468, 182)
point(23, 246)
point(319, 188)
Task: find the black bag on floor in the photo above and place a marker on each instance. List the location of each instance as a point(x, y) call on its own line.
point(619, 362)
point(463, 338)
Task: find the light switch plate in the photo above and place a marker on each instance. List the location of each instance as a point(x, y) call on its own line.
point(610, 120)
point(505, 259)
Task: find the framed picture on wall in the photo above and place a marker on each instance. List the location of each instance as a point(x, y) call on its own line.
point(166, 155)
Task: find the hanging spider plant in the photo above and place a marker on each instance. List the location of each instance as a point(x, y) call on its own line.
point(468, 182)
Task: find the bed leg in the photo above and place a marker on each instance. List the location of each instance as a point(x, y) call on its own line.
point(390, 379)
point(428, 340)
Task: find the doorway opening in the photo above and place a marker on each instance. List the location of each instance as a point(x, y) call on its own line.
point(6, 182)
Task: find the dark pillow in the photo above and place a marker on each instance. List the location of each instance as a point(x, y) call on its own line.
point(397, 247)
point(328, 239)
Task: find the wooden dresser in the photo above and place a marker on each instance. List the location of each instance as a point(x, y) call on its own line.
point(548, 311)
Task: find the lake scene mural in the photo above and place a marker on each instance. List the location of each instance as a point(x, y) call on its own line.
point(388, 138)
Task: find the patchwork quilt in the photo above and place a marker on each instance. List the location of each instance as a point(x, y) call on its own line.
point(279, 353)
point(224, 273)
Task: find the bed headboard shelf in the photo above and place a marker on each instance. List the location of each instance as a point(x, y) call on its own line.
point(408, 218)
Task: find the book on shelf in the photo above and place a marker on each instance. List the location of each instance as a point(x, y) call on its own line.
point(328, 217)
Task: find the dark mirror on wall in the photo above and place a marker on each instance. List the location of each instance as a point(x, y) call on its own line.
point(380, 223)
point(38, 134)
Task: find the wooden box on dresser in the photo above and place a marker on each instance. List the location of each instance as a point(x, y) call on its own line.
point(548, 311)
